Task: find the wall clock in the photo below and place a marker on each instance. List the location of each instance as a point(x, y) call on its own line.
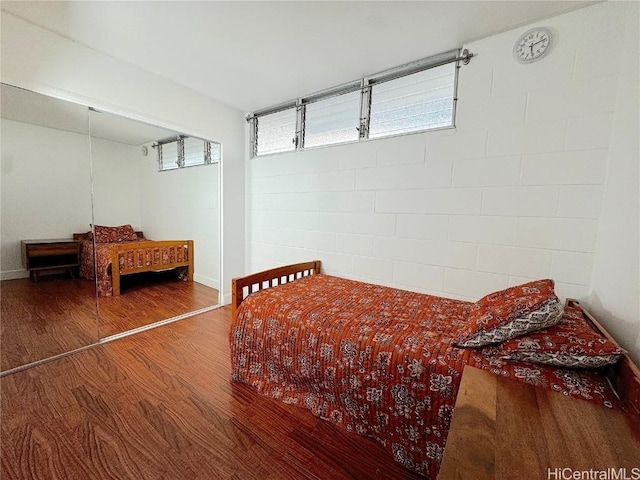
point(533, 44)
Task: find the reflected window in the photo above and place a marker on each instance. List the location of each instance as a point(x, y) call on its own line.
point(183, 151)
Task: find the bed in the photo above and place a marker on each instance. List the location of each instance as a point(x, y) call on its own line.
point(384, 362)
point(132, 253)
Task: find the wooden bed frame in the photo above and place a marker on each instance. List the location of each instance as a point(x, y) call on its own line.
point(241, 287)
point(624, 376)
point(124, 248)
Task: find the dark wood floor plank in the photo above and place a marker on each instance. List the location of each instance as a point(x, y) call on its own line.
point(39, 320)
point(149, 298)
point(58, 314)
point(160, 405)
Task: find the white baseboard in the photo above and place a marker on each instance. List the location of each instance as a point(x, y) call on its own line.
point(226, 299)
point(208, 281)
point(14, 274)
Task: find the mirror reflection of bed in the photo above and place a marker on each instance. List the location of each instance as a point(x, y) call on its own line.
point(153, 279)
point(163, 207)
point(58, 180)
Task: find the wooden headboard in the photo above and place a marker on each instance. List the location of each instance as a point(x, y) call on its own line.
point(269, 278)
point(624, 376)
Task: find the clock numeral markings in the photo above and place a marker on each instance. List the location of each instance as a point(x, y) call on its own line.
point(533, 45)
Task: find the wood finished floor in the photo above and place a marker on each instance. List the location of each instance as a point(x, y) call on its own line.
point(149, 298)
point(160, 405)
point(58, 314)
point(39, 320)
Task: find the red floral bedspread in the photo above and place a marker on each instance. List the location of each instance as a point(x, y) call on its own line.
point(141, 256)
point(375, 360)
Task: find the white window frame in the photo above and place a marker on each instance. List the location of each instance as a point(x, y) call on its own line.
point(364, 85)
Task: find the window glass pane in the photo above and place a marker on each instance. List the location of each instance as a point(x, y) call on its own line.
point(276, 132)
point(419, 101)
point(333, 120)
point(193, 151)
point(215, 152)
point(168, 155)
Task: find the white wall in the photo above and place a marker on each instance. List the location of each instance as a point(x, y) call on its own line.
point(45, 187)
point(48, 63)
point(615, 295)
point(116, 183)
point(183, 204)
point(513, 193)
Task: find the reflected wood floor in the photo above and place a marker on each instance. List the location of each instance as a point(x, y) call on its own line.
point(160, 405)
point(150, 297)
point(58, 314)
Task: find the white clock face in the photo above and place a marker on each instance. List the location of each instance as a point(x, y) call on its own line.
point(532, 45)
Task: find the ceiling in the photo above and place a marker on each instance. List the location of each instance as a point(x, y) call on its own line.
point(254, 54)
point(28, 107)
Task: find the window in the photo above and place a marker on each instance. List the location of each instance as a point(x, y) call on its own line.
point(277, 132)
point(332, 120)
point(194, 151)
point(411, 98)
point(416, 102)
point(183, 151)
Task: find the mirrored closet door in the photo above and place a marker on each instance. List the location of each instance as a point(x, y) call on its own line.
point(47, 309)
point(156, 222)
point(84, 192)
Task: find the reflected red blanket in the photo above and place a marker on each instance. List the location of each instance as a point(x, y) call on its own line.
point(158, 257)
point(375, 360)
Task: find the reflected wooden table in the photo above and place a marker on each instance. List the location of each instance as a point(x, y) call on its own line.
point(50, 254)
point(504, 429)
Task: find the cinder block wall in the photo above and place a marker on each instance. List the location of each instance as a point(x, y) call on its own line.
point(513, 193)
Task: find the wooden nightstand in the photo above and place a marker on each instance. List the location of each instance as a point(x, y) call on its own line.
point(50, 254)
point(504, 429)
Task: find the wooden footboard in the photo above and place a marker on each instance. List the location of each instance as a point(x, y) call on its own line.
point(269, 278)
point(185, 247)
point(624, 376)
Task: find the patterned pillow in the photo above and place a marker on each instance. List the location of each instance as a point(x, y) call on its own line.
point(123, 233)
point(510, 313)
point(572, 343)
